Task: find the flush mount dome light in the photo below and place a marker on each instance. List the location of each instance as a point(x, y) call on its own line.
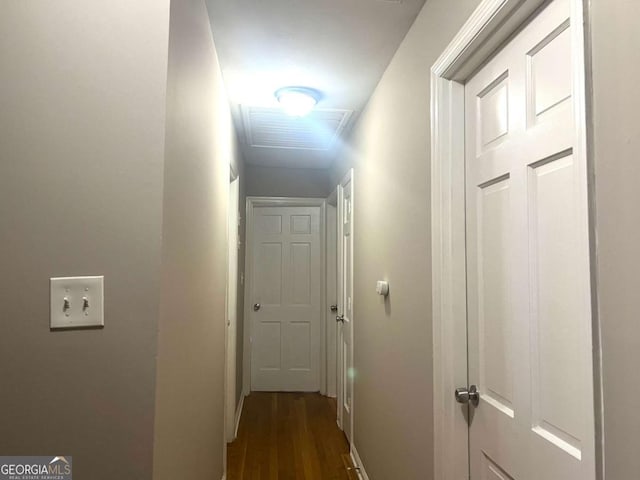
point(297, 101)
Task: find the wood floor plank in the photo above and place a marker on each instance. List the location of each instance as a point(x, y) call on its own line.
point(289, 436)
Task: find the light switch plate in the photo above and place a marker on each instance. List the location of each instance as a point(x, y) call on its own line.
point(77, 302)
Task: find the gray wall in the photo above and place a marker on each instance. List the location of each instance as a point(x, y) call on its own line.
point(616, 68)
point(200, 146)
point(82, 107)
point(287, 182)
point(393, 354)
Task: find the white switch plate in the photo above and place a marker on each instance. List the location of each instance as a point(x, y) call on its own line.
point(77, 313)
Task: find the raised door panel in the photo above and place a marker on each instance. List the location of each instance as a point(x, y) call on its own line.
point(268, 272)
point(301, 273)
point(557, 316)
point(266, 224)
point(300, 224)
point(493, 112)
point(549, 72)
point(299, 341)
point(495, 315)
point(268, 350)
point(492, 471)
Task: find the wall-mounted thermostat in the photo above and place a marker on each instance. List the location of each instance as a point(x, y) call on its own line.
point(382, 288)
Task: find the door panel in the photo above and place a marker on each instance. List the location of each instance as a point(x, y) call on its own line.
point(492, 471)
point(549, 69)
point(556, 306)
point(299, 353)
point(268, 272)
point(493, 114)
point(286, 285)
point(496, 348)
point(268, 350)
point(529, 324)
point(301, 273)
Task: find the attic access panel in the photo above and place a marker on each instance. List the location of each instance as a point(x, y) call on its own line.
point(272, 128)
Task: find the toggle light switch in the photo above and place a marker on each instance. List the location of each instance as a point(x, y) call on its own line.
point(382, 288)
point(77, 302)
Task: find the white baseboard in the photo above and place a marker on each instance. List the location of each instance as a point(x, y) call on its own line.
point(238, 415)
point(355, 458)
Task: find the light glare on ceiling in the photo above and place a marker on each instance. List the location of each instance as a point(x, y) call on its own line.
point(297, 101)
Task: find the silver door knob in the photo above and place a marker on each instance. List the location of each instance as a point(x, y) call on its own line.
point(256, 307)
point(467, 395)
point(334, 308)
point(340, 318)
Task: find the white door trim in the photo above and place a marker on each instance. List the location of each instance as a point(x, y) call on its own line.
point(492, 23)
point(253, 202)
point(330, 381)
point(231, 307)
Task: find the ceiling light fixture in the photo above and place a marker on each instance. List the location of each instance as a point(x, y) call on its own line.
point(297, 101)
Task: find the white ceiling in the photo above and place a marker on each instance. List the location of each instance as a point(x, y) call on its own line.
point(339, 47)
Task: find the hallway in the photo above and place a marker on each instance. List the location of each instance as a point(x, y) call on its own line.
point(464, 280)
point(289, 436)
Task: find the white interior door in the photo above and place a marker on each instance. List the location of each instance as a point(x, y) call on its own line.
point(232, 309)
point(345, 305)
point(285, 294)
point(529, 316)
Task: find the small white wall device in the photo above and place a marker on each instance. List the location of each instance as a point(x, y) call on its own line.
point(382, 288)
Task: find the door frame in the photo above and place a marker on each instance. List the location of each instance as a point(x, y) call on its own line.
point(231, 306)
point(489, 26)
point(251, 203)
point(331, 380)
point(230, 364)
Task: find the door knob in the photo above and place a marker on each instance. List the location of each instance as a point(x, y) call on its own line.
point(340, 318)
point(334, 308)
point(256, 307)
point(467, 395)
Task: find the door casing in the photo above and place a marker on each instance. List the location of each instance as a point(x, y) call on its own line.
point(492, 23)
point(253, 202)
point(330, 381)
point(231, 307)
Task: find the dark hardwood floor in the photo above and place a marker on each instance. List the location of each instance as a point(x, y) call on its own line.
point(289, 436)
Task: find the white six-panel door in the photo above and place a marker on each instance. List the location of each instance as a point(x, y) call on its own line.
point(345, 305)
point(528, 262)
point(285, 291)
